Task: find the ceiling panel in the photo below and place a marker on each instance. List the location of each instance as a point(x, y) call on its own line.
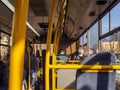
point(78, 12)
point(39, 8)
point(5, 18)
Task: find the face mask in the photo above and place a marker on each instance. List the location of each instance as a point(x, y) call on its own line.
point(97, 51)
point(62, 53)
point(81, 51)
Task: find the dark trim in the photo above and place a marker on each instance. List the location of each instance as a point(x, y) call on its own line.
point(115, 2)
point(110, 33)
point(5, 6)
point(85, 44)
point(65, 15)
point(4, 45)
point(5, 32)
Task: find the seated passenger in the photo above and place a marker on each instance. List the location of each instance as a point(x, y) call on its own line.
point(79, 54)
point(62, 55)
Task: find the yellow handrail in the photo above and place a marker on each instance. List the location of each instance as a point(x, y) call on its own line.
point(54, 55)
point(71, 61)
point(29, 65)
point(18, 45)
point(87, 67)
point(64, 89)
point(48, 45)
point(55, 46)
point(57, 40)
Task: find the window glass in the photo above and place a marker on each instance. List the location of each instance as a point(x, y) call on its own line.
point(112, 44)
point(94, 37)
point(85, 38)
point(81, 41)
point(115, 17)
point(105, 24)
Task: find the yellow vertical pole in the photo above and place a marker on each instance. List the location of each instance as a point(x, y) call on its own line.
point(54, 83)
point(49, 36)
point(58, 41)
point(63, 7)
point(18, 45)
point(54, 55)
point(61, 16)
point(29, 64)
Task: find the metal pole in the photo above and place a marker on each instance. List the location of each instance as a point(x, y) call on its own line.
point(48, 46)
point(99, 34)
point(18, 45)
point(58, 41)
point(29, 64)
point(64, 89)
point(109, 21)
point(86, 67)
point(88, 42)
point(54, 56)
point(55, 49)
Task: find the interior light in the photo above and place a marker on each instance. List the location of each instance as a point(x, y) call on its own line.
point(8, 4)
point(11, 7)
point(28, 24)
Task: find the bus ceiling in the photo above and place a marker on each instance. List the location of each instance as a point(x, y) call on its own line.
point(80, 15)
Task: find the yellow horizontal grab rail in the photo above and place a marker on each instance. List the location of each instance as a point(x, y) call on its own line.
point(87, 67)
point(97, 70)
point(68, 60)
point(64, 89)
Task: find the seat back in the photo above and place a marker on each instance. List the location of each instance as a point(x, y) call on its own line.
point(97, 80)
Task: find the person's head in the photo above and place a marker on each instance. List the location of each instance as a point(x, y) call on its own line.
point(37, 53)
point(80, 50)
point(80, 47)
point(61, 51)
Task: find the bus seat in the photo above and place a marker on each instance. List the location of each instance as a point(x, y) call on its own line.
point(97, 80)
point(66, 78)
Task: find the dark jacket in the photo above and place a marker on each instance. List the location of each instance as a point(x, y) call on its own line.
point(33, 61)
point(3, 76)
point(61, 57)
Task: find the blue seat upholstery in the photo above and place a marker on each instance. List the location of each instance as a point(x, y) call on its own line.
point(94, 80)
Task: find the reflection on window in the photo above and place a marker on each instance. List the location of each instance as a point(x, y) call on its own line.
point(5, 39)
point(112, 44)
point(105, 24)
point(115, 17)
point(94, 37)
point(83, 39)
